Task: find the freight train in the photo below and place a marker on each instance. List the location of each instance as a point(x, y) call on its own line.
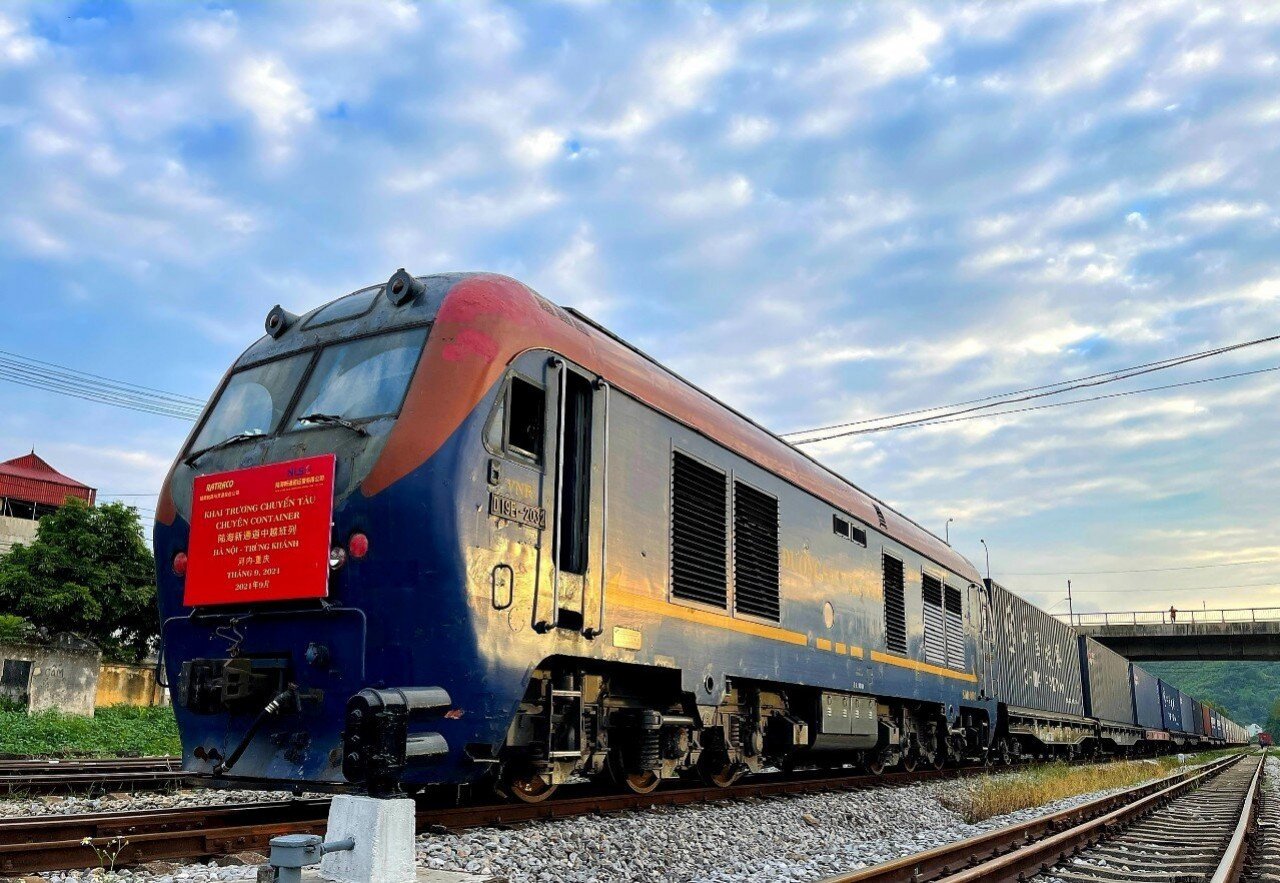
point(441, 532)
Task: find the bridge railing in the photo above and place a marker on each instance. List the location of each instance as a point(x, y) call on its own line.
point(1164, 617)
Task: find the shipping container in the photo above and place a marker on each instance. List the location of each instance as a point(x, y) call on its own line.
point(1206, 720)
point(1190, 713)
point(1038, 666)
point(1108, 690)
point(1146, 698)
point(1217, 725)
point(1170, 708)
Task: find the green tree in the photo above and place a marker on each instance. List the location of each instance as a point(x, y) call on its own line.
point(1273, 719)
point(88, 572)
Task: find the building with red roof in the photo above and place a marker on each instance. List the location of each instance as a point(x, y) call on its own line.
point(30, 488)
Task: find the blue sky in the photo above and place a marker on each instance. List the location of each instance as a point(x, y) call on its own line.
point(818, 212)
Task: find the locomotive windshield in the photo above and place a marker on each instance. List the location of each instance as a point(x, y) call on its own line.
point(353, 381)
point(254, 400)
point(362, 379)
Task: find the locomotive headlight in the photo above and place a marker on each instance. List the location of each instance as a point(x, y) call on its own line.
point(337, 557)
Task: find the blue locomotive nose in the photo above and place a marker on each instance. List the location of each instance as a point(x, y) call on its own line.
point(263, 693)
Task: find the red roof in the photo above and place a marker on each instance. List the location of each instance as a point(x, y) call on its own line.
point(32, 480)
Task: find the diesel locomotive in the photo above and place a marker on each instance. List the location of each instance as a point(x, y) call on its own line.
point(441, 531)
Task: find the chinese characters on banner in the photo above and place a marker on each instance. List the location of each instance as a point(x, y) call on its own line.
point(261, 534)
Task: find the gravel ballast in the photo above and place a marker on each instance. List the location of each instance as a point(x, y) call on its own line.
point(792, 837)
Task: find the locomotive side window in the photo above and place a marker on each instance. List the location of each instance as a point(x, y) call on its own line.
point(935, 622)
point(842, 527)
point(895, 605)
point(574, 504)
point(699, 532)
point(755, 552)
point(526, 426)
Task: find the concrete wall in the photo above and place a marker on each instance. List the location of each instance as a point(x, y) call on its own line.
point(64, 677)
point(121, 684)
point(16, 530)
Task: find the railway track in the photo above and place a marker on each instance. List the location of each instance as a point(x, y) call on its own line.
point(1186, 827)
point(54, 843)
point(76, 775)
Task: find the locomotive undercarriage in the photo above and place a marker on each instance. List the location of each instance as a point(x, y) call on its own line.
point(633, 727)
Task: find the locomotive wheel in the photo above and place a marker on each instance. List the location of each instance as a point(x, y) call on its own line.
point(721, 773)
point(528, 786)
point(637, 783)
point(641, 783)
point(939, 760)
point(909, 762)
point(875, 766)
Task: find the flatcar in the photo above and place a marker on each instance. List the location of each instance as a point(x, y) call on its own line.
point(443, 532)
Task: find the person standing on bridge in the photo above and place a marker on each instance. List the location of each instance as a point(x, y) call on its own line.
point(1173, 613)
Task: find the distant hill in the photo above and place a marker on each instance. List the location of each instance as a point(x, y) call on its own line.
point(1246, 690)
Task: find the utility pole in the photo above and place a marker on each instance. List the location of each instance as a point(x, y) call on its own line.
point(1071, 607)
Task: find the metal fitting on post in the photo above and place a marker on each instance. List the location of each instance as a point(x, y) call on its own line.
point(291, 853)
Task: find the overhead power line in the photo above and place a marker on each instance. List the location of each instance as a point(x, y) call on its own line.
point(83, 385)
point(1141, 569)
point(1014, 396)
point(1171, 590)
point(1099, 398)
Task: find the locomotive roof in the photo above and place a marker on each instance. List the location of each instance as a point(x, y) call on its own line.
point(489, 318)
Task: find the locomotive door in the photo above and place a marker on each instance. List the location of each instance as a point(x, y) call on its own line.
point(577, 489)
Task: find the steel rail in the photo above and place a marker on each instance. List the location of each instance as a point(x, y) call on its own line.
point(44, 777)
point(1233, 859)
point(1019, 851)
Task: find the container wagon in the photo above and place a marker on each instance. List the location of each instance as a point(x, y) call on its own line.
point(1108, 697)
point(1171, 711)
point(1034, 673)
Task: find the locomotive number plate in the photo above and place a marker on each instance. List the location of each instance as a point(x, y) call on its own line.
point(261, 534)
point(514, 510)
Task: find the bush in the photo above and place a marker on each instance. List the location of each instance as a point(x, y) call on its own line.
point(115, 731)
point(14, 628)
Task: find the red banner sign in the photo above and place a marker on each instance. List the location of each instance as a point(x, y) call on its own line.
point(261, 534)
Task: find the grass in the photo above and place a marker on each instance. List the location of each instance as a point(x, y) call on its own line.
point(112, 732)
point(988, 796)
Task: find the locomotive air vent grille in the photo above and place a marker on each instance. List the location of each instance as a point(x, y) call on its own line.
point(884, 525)
point(699, 534)
point(955, 628)
point(755, 552)
point(895, 605)
point(935, 623)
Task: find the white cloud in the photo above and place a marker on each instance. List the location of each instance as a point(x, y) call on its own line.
point(726, 194)
point(748, 131)
point(538, 147)
point(17, 47)
point(1223, 210)
point(269, 90)
point(900, 50)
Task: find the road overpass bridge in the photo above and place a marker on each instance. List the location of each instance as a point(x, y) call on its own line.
point(1238, 634)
